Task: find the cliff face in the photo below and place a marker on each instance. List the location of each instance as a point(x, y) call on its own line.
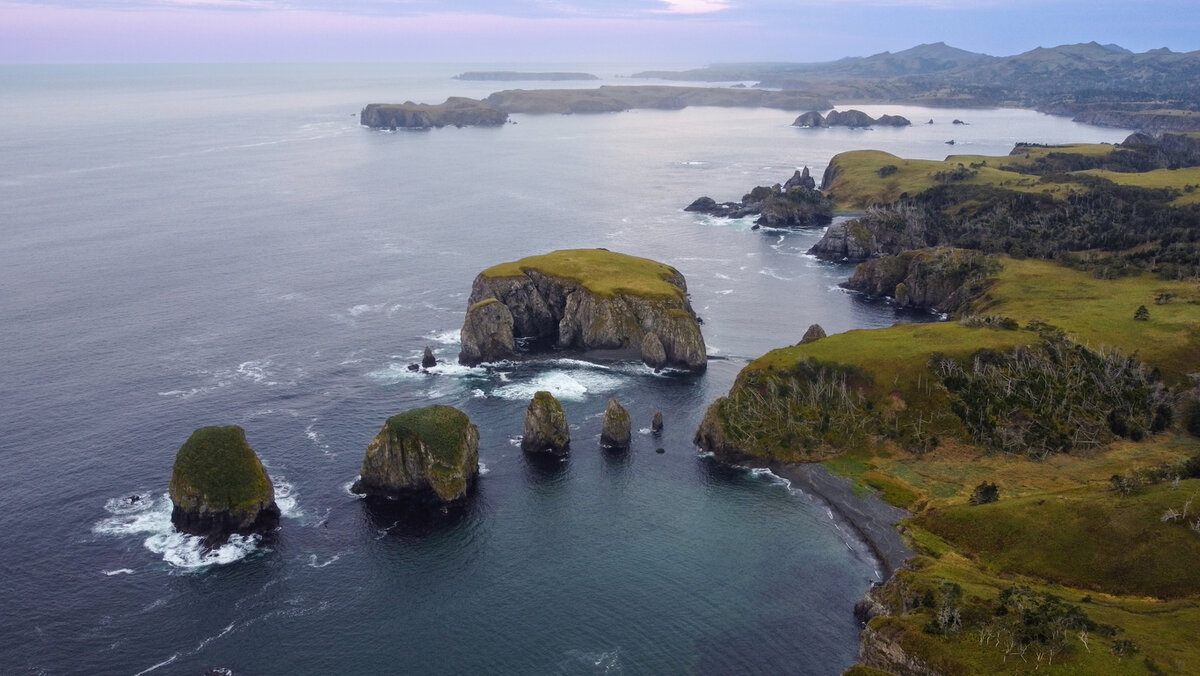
point(881, 649)
point(219, 486)
point(877, 232)
point(592, 300)
point(933, 279)
point(546, 429)
point(456, 111)
point(431, 451)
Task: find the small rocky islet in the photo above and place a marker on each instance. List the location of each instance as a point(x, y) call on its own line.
point(219, 487)
point(583, 300)
point(430, 454)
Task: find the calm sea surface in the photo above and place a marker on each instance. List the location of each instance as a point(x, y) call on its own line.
point(188, 246)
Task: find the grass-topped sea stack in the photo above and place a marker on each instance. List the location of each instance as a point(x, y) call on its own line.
point(546, 429)
point(584, 299)
point(429, 453)
point(220, 487)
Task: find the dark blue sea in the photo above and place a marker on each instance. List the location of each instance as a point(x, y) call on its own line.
point(186, 246)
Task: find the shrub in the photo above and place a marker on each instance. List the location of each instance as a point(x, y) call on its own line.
point(1141, 314)
point(985, 493)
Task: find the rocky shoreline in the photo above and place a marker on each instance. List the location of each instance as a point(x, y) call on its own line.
point(872, 520)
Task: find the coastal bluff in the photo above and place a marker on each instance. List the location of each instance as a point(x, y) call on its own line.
point(583, 299)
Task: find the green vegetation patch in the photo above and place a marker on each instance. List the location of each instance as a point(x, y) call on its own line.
point(604, 273)
point(217, 465)
point(1090, 538)
point(1184, 183)
point(442, 430)
point(1054, 397)
point(863, 178)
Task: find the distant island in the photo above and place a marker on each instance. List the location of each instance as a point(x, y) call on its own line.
point(1157, 90)
point(494, 109)
point(516, 76)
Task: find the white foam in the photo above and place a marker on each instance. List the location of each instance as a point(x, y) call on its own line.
point(350, 484)
point(765, 472)
point(570, 385)
point(721, 276)
point(514, 441)
point(119, 571)
point(164, 663)
point(478, 394)
point(359, 310)
point(724, 292)
point(483, 469)
point(453, 368)
point(774, 275)
point(286, 499)
point(312, 561)
point(645, 430)
point(150, 516)
point(395, 373)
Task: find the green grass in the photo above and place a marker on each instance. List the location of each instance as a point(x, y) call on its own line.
point(1099, 312)
point(440, 428)
point(1185, 181)
point(217, 467)
point(604, 273)
point(1088, 538)
point(859, 182)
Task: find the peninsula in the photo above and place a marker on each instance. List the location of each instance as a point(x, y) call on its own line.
point(1046, 441)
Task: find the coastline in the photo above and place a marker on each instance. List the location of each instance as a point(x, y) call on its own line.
point(872, 519)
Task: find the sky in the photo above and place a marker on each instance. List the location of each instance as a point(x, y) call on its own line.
point(650, 32)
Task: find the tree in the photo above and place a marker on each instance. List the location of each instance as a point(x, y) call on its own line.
point(1141, 314)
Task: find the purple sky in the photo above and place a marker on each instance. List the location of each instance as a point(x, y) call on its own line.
point(611, 31)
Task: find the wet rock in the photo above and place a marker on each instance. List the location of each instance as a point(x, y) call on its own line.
point(546, 429)
point(428, 360)
point(656, 425)
point(615, 434)
point(487, 333)
point(429, 453)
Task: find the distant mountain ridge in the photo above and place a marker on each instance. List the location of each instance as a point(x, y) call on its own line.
point(1088, 80)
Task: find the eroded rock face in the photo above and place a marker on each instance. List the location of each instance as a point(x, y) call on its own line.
point(615, 434)
point(546, 429)
point(880, 231)
point(584, 300)
point(427, 359)
point(849, 118)
point(219, 486)
point(811, 119)
point(934, 279)
point(487, 333)
point(656, 425)
point(813, 334)
point(801, 179)
point(711, 437)
point(429, 453)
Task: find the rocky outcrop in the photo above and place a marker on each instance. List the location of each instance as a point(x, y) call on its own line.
point(616, 434)
point(800, 179)
point(855, 119)
point(219, 486)
point(656, 425)
point(882, 230)
point(457, 111)
point(487, 333)
point(546, 429)
point(849, 118)
point(882, 649)
point(941, 279)
point(893, 121)
point(796, 204)
point(711, 437)
point(429, 453)
point(810, 120)
point(584, 299)
point(427, 359)
point(813, 334)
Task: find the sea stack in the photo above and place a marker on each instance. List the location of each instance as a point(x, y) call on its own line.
point(429, 453)
point(219, 486)
point(656, 425)
point(584, 299)
point(615, 435)
point(546, 428)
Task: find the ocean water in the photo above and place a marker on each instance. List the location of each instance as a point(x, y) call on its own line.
point(187, 246)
